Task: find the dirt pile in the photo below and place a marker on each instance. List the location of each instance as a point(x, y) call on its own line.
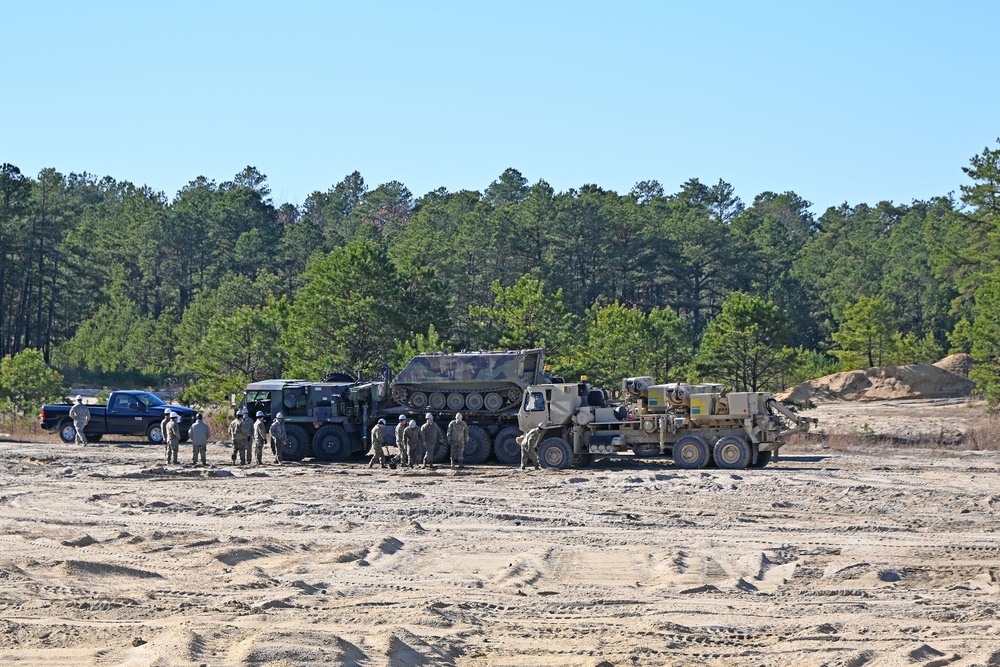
point(884, 383)
point(960, 364)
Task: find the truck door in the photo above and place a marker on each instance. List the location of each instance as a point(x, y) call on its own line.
point(123, 414)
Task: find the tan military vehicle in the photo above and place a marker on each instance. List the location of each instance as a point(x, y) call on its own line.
point(693, 424)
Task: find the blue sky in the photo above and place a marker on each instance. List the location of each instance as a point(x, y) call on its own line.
point(845, 101)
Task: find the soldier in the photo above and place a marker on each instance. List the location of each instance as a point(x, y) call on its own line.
point(404, 460)
point(378, 442)
point(430, 435)
point(278, 436)
point(241, 443)
point(529, 446)
point(248, 433)
point(458, 438)
point(80, 414)
point(168, 416)
point(173, 437)
point(259, 437)
point(411, 441)
point(199, 439)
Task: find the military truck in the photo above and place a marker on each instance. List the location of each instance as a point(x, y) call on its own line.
point(328, 420)
point(486, 387)
point(695, 424)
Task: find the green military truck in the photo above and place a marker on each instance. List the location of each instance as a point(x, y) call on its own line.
point(326, 420)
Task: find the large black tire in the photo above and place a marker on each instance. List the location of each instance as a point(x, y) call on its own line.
point(505, 447)
point(732, 452)
point(645, 451)
point(67, 431)
point(331, 443)
point(296, 444)
point(154, 434)
point(582, 460)
point(555, 453)
point(763, 458)
point(477, 450)
point(691, 452)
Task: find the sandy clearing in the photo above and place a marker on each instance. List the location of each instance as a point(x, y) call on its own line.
point(824, 558)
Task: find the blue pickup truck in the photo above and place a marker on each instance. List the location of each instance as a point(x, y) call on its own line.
point(127, 413)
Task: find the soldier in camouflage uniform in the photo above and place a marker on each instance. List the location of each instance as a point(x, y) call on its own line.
point(241, 443)
point(404, 459)
point(458, 438)
point(529, 446)
point(259, 437)
point(278, 437)
point(411, 440)
point(430, 436)
point(173, 438)
point(80, 414)
point(167, 416)
point(378, 444)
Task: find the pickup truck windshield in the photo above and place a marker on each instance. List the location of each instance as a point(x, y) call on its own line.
point(148, 399)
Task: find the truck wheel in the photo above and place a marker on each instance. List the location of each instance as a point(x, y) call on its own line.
point(555, 453)
point(763, 458)
point(582, 460)
point(67, 431)
point(477, 450)
point(296, 444)
point(154, 433)
point(691, 452)
point(331, 443)
point(505, 447)
point(732, 452)
point(646, 450)
point(93, 437)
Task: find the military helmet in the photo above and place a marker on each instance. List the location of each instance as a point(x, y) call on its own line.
point(175, 416)
point(79, 399)
point(429, 416)
point(402, 418)
point(260, 413)
point(280, 415)
point(458, 416)
point(381, 421)
point(244, 411)
point(413, 422)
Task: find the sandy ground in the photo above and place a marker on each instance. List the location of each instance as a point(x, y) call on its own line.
point(824, 558)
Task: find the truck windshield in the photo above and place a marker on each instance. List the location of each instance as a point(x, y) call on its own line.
point(148, 399)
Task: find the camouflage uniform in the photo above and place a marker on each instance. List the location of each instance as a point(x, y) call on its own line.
point(278, 439)
point(163, 434)
point(430, 436)
point(458, 438)
point(241, 444)
point(199, 441)
point(172, 438)
point(259, 438)
point(529, 447)
point(80, 414)
point(378, 445)
point(404, 459)
point(411, 441)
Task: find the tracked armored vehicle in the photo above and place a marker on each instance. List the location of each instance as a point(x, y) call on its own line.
point(486, 387)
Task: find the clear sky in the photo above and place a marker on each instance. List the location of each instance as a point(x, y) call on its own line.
point(838, 101)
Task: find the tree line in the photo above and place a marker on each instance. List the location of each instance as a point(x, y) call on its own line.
point(113, 283)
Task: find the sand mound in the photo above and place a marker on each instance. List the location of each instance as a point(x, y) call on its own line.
point(883, 383)
point(959, 364)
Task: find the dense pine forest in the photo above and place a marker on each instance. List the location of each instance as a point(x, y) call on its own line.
point(109, 283)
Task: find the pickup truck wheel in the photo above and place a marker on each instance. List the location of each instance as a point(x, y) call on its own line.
point(94, 437)
point(67, 431)
point(331, 443)
point(477, 450)
point(555, 453)
point(505, 447)
point(732, 452)
point(691, 452)
point(154, 433)
point(296, 444)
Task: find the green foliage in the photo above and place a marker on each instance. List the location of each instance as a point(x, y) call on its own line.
point(744, 346)
point(805, 365)
point(523, 316)
point(961, 337)
point(27, 382)
point(865, 337)
point(986, 340)
point(621, 341)
point(418, 344)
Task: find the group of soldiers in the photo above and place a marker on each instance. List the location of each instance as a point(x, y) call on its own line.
point(250, 436)
point(171, 430)
point(420, 443)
